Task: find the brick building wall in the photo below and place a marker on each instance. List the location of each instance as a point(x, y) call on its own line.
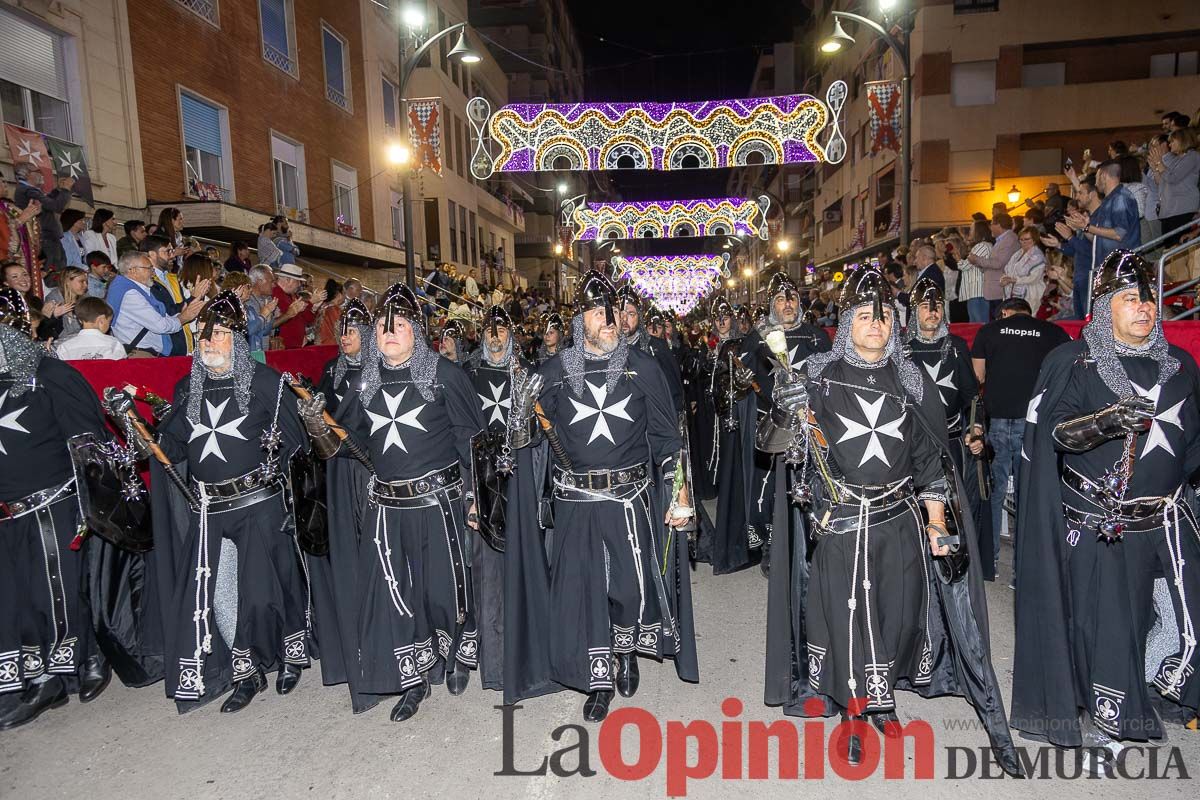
point(173, 47)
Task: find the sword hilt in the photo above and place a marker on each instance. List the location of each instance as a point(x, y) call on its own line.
point(337, 429)
point(560, 453)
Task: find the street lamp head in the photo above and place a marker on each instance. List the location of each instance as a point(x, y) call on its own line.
point(563, 188)
point(1014, 195)
point(887, 5)
point(413, 16)
point(838, 40)
point(462, 50)
point(397, 154)
point(784, 245)
point(558, 249)
point(731, 283)
point(748, 272)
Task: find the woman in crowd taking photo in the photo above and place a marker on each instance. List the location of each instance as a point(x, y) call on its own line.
point(1176, 173)
point(100, 235)
point(1056, 298)
point(170, 227)
point(970, 282)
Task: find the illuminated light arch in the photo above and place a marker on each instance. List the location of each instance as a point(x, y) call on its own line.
point(626, 147)
point(561, 147)
point(676, 283)
point(679, 149)
point(659, 136)
point(755, 142)
point(738, 217)
point(683, 229)
point(647, 230)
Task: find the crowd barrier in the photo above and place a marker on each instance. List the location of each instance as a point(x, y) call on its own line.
point(159, 375)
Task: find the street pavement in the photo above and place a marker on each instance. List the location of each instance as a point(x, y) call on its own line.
point(131, 744)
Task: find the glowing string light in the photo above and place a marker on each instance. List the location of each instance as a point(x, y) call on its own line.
point(720, 216)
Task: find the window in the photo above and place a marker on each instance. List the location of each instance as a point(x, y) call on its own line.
point(453, 230)
point(391, 106)
point(33, 86)
point(973, 83)
point(1052, 74)
point(279, 34)
point(291, 192)
point(345, 199)
point(397, 219)
point(205, 9)
point(1169, 65)
point(206, 144)
point(337, 68)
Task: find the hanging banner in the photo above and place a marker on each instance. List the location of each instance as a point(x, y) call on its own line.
point(68, 160)
point(860, 236)
point(28, 147)
point(883, 105)
point(425, 132)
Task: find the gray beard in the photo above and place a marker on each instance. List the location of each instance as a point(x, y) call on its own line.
point(599, 346)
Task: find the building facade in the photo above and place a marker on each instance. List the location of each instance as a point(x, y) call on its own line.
point(1003, 96)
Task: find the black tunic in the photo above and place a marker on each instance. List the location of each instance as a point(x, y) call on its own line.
point(1085, 606)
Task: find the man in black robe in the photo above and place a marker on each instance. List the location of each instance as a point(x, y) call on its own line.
point(48, 647)
point(946, 358)
point(875, 606)
point(803, 339)
point(341, 375)
point(412, 611)
point(553, 332)
point(495, 368)
point(234, 586)
point(618, 578)
point(629, 308)
point(1112, 436)
point(452, 344)
point(730, 409)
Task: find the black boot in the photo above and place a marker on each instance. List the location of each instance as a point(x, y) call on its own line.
point(765, 564)
point(94, 680)
point(627, 674)
point(456, 681)
point(887, 723)
point(37, 698)
point(595, 708)
point(244, 691)
point(853, 743)
point(287, 679)
point(410, 701)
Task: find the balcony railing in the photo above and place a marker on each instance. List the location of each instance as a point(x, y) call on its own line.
point(280, 59)
point(338, 98)
point(206, 9)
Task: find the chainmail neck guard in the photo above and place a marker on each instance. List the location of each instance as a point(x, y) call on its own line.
point(241, 372)
point(913, 334)
point(422, 363)
point(843, 350)
point(345, 362)
point(573, 359)
point(1106, 350)
point(479, 357)
point(773, 323)
point(20, 357)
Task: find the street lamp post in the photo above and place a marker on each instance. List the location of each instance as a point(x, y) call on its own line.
point(411, 20)
point(833, 45)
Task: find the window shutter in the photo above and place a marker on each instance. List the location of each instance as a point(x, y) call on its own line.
point(31, 56)
point(389, 104)
point(201, 125)
point(274, 24)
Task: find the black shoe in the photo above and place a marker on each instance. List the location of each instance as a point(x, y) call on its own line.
point(456, 681)
point(36, 698)
point(887, 723)
point(96, 675)
point(595, 708)
point(853, 750)
point(627, 674)
point(244, 691)
point(410, 701)
point(287, 679)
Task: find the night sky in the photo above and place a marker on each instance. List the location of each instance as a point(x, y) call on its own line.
point(668, 50)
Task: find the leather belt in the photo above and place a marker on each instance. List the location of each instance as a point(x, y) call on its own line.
point(230, 495)
point(886, 502)
point(386, 492)
point(1135, 510)
point(1090, 520)
point(903, 505)
point(601, 480)
point(36, 501)
point(439, 488)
